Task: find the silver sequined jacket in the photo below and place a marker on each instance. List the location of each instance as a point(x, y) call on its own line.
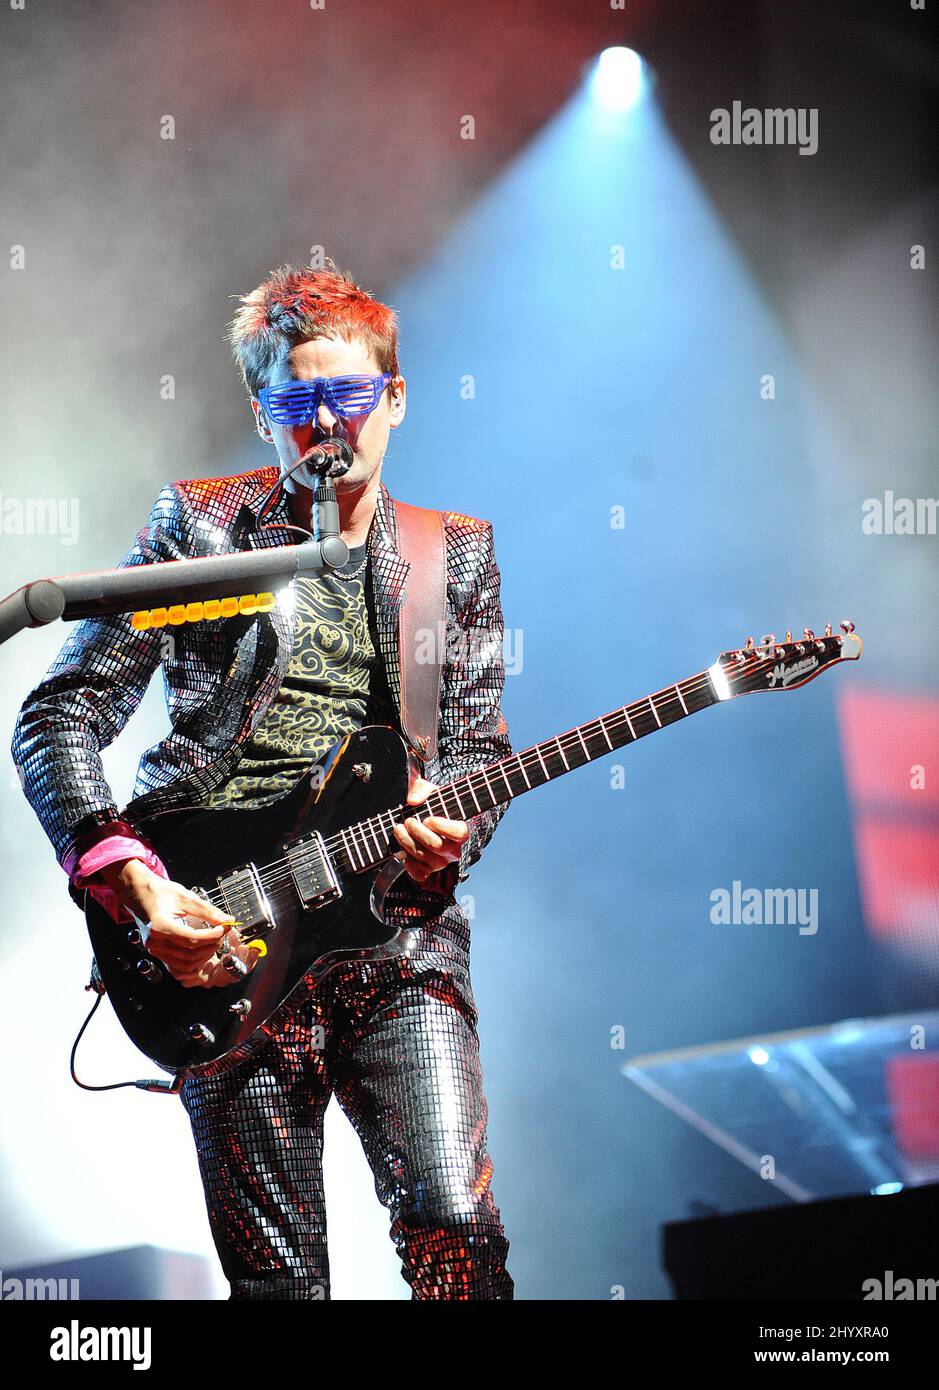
point(221, 676)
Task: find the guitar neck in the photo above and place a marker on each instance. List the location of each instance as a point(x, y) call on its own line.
point(369, 842)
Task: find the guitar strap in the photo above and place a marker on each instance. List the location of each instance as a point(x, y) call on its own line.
point(421, 541)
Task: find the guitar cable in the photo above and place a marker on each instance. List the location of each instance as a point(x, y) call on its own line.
point(157, 1085)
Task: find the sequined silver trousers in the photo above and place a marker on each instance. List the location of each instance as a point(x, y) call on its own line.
point(398, 1048)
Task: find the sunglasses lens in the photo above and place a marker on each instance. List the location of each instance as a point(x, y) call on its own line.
point(289, 405)
point(353, 395)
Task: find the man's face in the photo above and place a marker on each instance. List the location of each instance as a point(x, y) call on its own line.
point(366, 435)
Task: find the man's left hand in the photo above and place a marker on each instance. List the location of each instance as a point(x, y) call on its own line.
point(429, 845)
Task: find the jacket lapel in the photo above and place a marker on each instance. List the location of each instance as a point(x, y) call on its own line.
point(389, 575)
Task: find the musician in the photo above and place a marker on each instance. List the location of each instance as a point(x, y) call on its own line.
point(253, 703)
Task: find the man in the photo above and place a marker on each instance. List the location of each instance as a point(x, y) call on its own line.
point(253, 702)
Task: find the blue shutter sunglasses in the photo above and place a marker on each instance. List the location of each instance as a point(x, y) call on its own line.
point(296, 402)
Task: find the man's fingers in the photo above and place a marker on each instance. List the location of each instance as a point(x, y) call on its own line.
point(422, 834)
point(204, 911)
point(181, 931)
point(451, 829)
point(419, 790)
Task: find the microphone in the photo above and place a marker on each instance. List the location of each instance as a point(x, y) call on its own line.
point(330, 459)
point(334, 452)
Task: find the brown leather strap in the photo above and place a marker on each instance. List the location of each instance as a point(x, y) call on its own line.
point(422, 623)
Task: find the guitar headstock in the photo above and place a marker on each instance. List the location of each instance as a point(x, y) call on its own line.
point(782, 665)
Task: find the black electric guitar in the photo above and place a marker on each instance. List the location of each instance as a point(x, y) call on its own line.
point(307, 874)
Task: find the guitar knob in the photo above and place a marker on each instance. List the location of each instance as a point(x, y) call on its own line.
point(134, 937)
point(200, 1034)
point(235, 967)
point(808, 634)
point(847, 625)
point(149, 970)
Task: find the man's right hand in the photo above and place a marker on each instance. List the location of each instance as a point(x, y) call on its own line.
point(173, 915)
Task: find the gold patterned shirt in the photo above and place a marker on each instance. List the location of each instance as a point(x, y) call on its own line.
point(334, 683)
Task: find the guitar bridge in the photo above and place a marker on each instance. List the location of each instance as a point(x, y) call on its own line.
point(311, 869)
point(247, 902)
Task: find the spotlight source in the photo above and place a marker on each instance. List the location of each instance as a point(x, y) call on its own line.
point(618, 79)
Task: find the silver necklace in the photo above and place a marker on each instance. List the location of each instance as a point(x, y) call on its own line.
point(356, 572)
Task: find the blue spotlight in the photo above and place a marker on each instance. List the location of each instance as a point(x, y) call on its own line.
point(618, 79)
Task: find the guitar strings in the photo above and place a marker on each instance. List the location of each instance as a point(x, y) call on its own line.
point(280, 872)
point(528, 758)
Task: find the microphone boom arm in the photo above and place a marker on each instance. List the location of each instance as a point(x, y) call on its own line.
point(100, 593)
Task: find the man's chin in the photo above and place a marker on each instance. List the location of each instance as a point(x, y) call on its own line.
point(357, 478)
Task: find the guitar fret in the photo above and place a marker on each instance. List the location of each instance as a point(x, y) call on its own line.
point(362, 843)
point(582, 744)
point(681, 697)
point(655, 711)
point(523, 772)
point(603, 731)
point(567, 766)
point(547, 774)
point(378, 849)
point(345, 840)
point(629, 722)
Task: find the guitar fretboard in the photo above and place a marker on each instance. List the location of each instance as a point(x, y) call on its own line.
point(369, 842)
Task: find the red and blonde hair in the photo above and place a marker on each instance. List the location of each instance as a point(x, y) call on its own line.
point(297, 303)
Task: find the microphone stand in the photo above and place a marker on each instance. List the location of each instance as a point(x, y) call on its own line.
point(100, 593)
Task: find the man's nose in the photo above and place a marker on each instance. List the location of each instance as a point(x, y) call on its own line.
point(325, 418)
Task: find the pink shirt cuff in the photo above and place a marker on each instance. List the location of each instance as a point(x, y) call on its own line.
point(111, 850)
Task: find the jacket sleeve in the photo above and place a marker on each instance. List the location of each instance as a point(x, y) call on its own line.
point(472, 730)
point(86, 697)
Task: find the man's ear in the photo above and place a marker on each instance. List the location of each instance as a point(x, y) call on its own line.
point(398, 390)
point(261, 421)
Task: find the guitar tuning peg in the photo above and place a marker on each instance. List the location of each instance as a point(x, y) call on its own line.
point(808, 634)
point(847, 625)
point(769, 640)
point(788, 635)
point(828, 629)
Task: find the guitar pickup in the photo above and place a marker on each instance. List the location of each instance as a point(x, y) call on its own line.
point(247, 902)
point(312, 871)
